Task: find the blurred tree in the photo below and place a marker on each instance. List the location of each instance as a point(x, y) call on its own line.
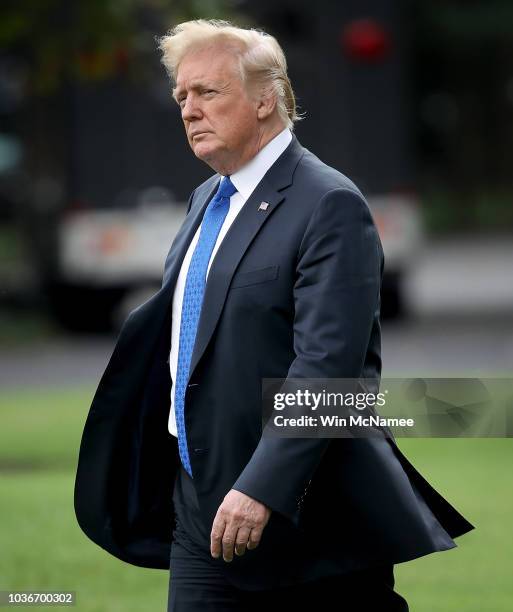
point(463, 79)
point(91, 40)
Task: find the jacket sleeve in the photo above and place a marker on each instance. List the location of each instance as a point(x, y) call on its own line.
point(336, 297)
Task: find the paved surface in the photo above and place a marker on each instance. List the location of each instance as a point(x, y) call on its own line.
point(445, 346)
point(466, 276)
point(438, 346)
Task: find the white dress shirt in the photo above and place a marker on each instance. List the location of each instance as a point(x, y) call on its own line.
point(245, 180)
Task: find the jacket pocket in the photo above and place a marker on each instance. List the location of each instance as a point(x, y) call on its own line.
point(254, 277)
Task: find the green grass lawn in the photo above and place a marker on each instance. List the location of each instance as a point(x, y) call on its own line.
point(43, 548)
point(474, 475)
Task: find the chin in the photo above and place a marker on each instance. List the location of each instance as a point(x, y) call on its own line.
point(202, 150)
point(207, 154)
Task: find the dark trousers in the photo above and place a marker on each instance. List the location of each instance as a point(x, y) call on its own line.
point(197, 583)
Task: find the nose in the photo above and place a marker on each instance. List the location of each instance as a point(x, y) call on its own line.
point(190, 109)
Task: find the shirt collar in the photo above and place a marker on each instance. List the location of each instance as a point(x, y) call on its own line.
point(247, 178)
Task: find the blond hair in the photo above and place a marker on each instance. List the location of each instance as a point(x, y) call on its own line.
point(261, 59)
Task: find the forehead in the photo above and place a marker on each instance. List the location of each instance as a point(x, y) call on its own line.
point(214, 62)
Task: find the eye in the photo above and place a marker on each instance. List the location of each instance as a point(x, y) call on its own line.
point(208, 92)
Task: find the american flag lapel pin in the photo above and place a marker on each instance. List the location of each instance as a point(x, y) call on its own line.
point(263, 206)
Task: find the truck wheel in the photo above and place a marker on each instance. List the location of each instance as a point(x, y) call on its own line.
point(84, 309)
point(392, 297)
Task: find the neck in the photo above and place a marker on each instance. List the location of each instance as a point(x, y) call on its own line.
point(261, 139)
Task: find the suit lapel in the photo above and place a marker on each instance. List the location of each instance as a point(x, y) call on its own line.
point(161, 302)
point(186, 233)
point(247, 224)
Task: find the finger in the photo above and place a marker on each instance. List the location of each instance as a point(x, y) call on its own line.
point(228, 541)
point(242, 540)
point(254, 538)
point(216, 536)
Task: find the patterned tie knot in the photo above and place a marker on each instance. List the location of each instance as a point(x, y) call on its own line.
point(226, 188)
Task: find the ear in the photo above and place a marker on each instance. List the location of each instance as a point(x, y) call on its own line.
point(266, 105)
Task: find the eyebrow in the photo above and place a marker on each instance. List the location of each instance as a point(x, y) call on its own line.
point(198, 84)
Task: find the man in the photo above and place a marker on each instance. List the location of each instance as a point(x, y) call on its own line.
point(275, 273)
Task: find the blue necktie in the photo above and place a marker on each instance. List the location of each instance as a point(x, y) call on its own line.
point(213, 219)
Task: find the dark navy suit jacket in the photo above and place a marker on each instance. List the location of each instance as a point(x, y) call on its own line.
point(293, 292)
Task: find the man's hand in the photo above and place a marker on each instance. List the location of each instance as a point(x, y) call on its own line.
point(239, 522)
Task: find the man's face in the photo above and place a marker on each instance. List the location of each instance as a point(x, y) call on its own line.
point(219, 116)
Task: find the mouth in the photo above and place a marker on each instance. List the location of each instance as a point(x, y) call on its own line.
point(197, 135)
